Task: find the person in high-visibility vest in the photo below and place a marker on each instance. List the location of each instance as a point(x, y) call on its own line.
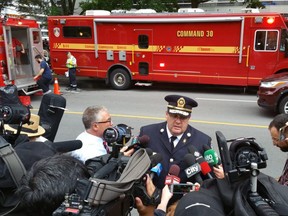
point(71, 64)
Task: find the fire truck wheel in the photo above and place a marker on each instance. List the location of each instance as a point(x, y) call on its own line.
point(120, 79)
point(283, 105)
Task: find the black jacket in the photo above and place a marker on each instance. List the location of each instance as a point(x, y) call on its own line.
point(159, 142)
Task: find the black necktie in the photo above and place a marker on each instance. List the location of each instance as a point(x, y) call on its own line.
point(172, 139)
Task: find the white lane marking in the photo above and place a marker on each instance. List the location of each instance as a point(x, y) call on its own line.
point(227, 100)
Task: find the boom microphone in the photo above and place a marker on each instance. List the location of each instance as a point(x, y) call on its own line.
point(172, 177)
point(140, 142)
point(66, 146)
point(193, 169)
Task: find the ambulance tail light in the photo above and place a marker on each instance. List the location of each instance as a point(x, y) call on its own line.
point(270, 20)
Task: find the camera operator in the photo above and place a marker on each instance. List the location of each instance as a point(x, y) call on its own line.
point(43, 188)
point(96, 119)
point(279, 135)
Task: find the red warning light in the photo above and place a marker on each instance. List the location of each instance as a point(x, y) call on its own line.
point(162, 64)
point(270, 20)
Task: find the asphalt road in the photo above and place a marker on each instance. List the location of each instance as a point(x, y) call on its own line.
point(226, 109)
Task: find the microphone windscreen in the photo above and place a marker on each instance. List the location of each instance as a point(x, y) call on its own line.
point(189, 159)
point(174, 170)
point(149, 151)
point(155, 159)
point(205, 168)
point(206, 147)
point(67, 146)
point(144, 140)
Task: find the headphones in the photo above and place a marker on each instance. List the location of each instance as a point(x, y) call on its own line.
point(244, 151)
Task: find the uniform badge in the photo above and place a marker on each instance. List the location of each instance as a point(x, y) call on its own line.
point(188, 134)
point(181, 102)
point(196, 154)
point(161, 130)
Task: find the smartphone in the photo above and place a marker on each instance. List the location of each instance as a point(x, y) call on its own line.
point(282, 132)
point(181, 188)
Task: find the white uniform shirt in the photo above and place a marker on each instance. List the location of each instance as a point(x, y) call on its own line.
point(92, 146)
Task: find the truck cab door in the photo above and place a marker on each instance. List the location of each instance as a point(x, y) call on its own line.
point(9, 53)
point(36, 47)
point(142, 56)
point(264, 54)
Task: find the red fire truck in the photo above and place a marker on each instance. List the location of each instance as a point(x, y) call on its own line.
point(222, 49)
point(17, 64)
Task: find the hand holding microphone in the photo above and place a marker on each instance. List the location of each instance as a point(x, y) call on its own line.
point(172, 177)
point(205, 168)
point(138, 142)
point(211, 157)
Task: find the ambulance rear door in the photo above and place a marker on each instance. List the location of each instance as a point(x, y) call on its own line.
point(9, 53)
point(36, 47)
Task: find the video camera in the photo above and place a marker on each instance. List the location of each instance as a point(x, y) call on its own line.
point(120, 134)
point(241, 161)
point(113, 185)
point(117, 137)
point(241, 154)
point(12, 111)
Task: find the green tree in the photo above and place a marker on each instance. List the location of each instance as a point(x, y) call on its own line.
point(47, 7)
point(158, 5)
point(105, 5)
point(252, 3)
point(195, 3)
point(5, 3)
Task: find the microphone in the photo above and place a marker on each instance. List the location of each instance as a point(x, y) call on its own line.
point(195, 152)
point(149, 151)
point(172, 177)
point(205, 168)
point(139, 142)
point(66, 146)
point(193, 169)
point(155, 159)
point(211, 157)
point(155, 170)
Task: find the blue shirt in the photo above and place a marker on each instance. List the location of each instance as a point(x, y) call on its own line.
point(47, 73)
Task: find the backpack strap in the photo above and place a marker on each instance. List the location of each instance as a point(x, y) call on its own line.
point(103, 191)
point(12, 161)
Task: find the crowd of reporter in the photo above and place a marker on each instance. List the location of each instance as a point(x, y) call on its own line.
point(53, 174)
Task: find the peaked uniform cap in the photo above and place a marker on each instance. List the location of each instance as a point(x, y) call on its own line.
point(181, 105)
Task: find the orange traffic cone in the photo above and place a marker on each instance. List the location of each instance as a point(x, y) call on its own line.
point(56, 87)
